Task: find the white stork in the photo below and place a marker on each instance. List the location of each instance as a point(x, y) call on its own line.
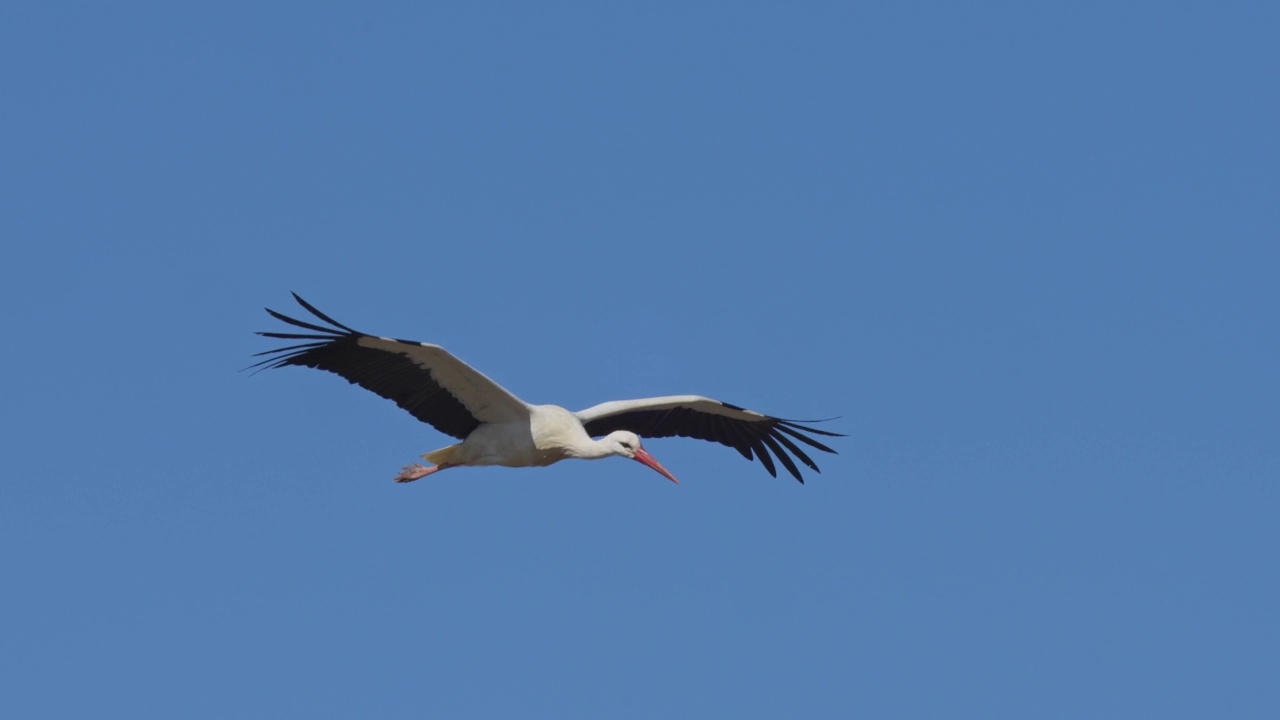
point(498, 428)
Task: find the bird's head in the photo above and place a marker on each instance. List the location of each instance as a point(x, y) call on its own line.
point(627, 444)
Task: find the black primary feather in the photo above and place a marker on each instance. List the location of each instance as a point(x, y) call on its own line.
point(394, 376)
point(749, 437)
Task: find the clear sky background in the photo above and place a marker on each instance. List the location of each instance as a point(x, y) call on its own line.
point(1027, 254)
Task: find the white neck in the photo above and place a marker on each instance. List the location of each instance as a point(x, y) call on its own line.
point(591, 450)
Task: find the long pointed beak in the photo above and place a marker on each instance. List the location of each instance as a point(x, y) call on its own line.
point(643, 457)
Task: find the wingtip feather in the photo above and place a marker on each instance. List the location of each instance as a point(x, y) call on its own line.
point(312, 309)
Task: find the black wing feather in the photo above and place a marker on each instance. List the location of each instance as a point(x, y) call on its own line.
point(800, 454)
point(763, 454)
point(791, 428)
point(784, 458)
point(749, 437)
point(391, 375)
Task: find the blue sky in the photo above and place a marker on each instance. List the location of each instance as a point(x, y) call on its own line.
point(1027, 254)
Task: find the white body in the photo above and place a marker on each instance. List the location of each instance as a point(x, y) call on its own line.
point(550, 435)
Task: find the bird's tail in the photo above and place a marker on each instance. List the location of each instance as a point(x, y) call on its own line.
point(443, 455)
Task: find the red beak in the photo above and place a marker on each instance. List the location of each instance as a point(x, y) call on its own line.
point(643, 456)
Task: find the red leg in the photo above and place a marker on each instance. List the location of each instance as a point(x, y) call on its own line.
point(409, 473)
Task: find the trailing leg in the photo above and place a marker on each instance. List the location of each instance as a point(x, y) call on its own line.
point(409, 473)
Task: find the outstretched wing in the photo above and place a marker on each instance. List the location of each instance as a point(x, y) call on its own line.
point(434, 386)
point(705, 419)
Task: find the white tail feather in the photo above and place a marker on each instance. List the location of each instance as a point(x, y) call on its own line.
point(442, 456)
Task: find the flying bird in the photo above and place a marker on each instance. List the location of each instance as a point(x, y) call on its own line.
point(498, 428)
